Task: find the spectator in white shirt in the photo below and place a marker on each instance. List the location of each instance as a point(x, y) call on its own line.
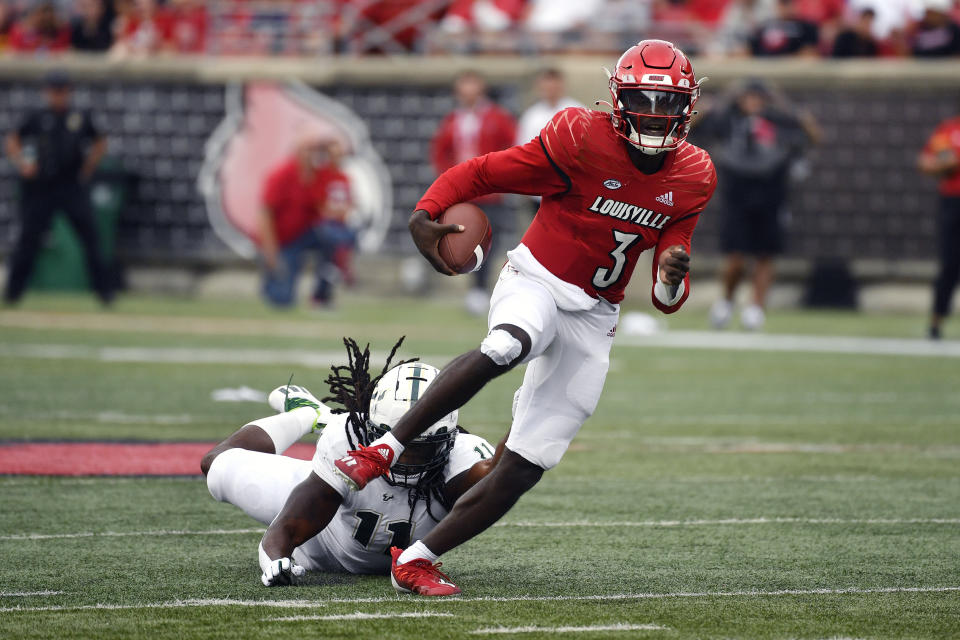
point(556, 16)
point(892, 16)
point(551, 88)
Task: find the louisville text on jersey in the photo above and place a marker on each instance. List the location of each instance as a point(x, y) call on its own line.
point(630, 212)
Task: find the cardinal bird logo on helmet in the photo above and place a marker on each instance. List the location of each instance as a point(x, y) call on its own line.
point(654, 91)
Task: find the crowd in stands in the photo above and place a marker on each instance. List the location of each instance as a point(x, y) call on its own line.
point(837, 28)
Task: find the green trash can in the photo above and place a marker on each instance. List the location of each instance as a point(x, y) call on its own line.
point(60, 265)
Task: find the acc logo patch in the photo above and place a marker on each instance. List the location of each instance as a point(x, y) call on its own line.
point(612, 184)
point(264, 122)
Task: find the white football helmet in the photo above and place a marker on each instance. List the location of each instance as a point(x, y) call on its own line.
point(396, 392)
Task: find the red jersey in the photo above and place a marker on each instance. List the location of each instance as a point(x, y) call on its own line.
point(946, 139)
point(294, 203)
point(598, 212)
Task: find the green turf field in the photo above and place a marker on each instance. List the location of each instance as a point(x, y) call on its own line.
point(716, 493)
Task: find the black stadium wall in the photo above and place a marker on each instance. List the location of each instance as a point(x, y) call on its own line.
point(863, 198)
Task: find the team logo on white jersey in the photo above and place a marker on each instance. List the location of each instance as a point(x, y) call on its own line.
point(612, 184)
point(666, 198)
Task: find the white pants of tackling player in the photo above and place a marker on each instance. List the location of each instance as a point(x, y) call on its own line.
point(259, 483)
point(566, 366)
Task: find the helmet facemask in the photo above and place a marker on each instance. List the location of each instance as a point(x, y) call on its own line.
point(654, 120)
point(422, 460)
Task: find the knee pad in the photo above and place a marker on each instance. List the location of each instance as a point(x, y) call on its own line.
point(501, 347)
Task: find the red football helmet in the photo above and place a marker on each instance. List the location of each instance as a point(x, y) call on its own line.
point(654, 90)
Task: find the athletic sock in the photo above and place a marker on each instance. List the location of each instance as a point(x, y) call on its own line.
point(417, 550)
point(391, 442)
point(286, 428)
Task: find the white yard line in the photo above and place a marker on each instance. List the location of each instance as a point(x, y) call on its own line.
point(727, 445)
point(188, 355)
point(730, 521)
point(361, 616)
point(160, 533)
point(178, 604)
point(584, 629)
point(27, 594)
point(106, 417)
point(317, 604)
point(127, 534)
point(174, 355)
point(804, 344)
point(673, 339)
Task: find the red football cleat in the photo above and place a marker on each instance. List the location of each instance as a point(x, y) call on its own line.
point(360, 467)
point(420, 577)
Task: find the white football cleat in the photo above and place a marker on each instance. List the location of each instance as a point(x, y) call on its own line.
point(290, 397)
point(752, 318)
point(720, 313)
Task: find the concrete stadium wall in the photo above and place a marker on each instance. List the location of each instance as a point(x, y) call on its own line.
point(863, 200)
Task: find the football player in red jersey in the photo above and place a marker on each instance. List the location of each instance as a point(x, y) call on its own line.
point(612, 186)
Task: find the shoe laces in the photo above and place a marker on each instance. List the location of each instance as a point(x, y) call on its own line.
point(423, 565)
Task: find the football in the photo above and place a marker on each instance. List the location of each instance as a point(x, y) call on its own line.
point(465, 252)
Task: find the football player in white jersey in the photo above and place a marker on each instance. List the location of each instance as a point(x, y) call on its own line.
point(315, 521)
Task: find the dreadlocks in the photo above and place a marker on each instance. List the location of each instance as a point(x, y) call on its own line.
point(351, 387)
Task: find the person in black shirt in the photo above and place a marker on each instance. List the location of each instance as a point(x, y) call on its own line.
point(55, 150)
point(91, 30)
point(755, 139)
point(856, 41)
point(936, 35)
point(788, 34)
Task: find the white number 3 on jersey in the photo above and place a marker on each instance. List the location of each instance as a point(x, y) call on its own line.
point(604, 277)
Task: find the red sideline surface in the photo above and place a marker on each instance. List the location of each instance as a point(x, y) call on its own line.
point(113, 458)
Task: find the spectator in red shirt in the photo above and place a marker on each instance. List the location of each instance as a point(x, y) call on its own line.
point(305, 204)
point(40, 31)
point(477, 126)
point(140, 28)
point(185, 30)
point(941, 159)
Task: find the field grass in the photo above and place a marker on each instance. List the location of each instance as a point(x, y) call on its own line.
point(714, 494)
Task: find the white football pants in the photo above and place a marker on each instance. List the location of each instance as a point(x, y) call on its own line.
point(566, 366)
